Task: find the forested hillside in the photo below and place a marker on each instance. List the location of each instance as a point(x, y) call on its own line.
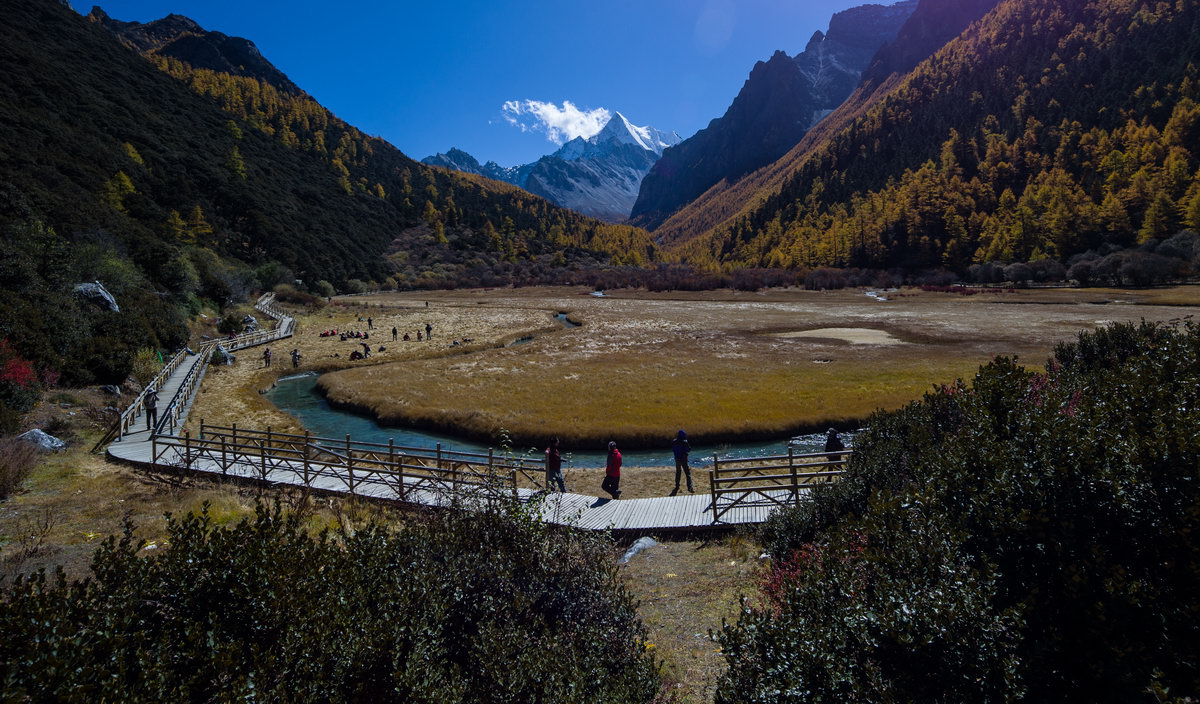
point(177, 186)
point(1049, 128)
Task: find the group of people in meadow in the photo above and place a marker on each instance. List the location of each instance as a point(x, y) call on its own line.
point(681, 449)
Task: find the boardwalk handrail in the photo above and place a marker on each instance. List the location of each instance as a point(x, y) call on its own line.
point(172, 414)
point(771, 481)
point(401, 471)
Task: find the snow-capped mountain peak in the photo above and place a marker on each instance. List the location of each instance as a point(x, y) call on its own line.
point(619, 130)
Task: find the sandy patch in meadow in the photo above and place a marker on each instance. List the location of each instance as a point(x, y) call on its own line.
point(854, 336)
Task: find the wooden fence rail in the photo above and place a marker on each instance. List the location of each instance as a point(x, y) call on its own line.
point(771, 481)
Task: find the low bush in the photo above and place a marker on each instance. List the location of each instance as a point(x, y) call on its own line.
point(17, 460)
point(287, 293)
point(1030, 536)
point(230, 324)
point(454, 607)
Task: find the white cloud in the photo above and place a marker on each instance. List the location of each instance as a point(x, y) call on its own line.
point(561, 124)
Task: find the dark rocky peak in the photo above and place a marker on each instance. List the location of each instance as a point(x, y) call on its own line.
point(184, 39)
point(869, 26)
point(932, 25)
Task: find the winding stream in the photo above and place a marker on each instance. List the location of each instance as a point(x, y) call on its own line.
point(298, 395)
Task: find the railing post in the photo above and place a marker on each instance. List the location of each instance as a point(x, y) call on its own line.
point(187, 447)
point(795, 479)
point(304, 455)
point(713, 475)
point(350, 465)
point(153, 451)
point(224, 458)
point(201, 428)
point(399, 470)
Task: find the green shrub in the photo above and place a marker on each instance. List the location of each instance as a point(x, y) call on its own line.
point(231, 324)
point(146, 364)
point(1028, 536)
point(287, 293)
point(325, 289)
point(456, 607)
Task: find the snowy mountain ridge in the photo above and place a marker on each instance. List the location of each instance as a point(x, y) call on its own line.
point(598, 176)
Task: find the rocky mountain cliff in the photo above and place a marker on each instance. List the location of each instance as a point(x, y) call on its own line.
point(598, 176)
point(780, 101)
point(181, 38)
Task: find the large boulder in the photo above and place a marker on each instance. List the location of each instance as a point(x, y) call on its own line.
point(96, 293)
point(250, 323)
point(43, 440)
point(221, 355)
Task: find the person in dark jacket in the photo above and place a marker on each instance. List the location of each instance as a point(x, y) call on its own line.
point(612, 472)
point(554, 473)
point(682, 449)
point(151, 405)
point(395, 334)
point(428, 331)
point(833, 443)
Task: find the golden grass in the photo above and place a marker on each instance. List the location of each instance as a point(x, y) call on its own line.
point(686, 590)
point(646, 364)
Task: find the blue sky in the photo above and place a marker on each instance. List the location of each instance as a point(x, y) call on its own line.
point(427, 76)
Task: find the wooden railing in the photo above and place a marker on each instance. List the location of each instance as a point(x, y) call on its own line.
point(172, 415)
point(771, 481)
point(344, 464)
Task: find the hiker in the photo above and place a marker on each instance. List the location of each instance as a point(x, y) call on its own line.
point(681, 448)
point(428, 331)
point(418, 336)
point(355, 356)
point(833, 443)
point(370, 324)
point(612, 472)
point(295, 358)
point(366, 349)
point(151, 404)
point(267, 357)
point(554, 473)
point(395, 334)
point(406, 337)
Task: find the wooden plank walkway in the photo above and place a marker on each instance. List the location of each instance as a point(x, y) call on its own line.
point(138, 446)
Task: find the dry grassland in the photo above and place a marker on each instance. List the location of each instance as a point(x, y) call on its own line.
point(719, 363)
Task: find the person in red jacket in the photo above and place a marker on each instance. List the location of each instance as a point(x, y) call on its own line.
point(612, 472)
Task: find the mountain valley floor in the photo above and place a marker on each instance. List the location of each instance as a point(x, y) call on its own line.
point(724, 365)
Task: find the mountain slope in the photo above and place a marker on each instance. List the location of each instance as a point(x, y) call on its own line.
point(780, 101)
point(181, 38)
point(172, 188)
point(729, 197)
point(1046, 129)
point(598, 176)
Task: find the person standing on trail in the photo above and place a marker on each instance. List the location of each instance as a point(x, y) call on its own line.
point(395, 333)
point(428, 331)
point(612, 472)
point(295, 357)
point(267, 357)
point(151, 404)
point(682, 449)
point(554, 473)
point(833, 443)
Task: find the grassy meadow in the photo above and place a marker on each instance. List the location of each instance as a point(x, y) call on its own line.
point(724, 365)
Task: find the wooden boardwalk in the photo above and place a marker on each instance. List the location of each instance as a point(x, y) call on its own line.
point(744, 491)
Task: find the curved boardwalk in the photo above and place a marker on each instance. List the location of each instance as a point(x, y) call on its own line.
point(744, 491)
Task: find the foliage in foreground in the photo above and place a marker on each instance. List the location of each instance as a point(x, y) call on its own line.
point(1029, 536)
point(489, 607)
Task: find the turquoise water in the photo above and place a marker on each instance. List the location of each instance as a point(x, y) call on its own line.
point(298, 396)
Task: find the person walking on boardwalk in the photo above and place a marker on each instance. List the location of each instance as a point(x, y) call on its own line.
point(428, 331)
point(295, 357)
point(395, 333)
point(833, 443)
point(612, 472)
point(554, 473)
point(151, 404)
point(267, 357)
point(682, 449)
